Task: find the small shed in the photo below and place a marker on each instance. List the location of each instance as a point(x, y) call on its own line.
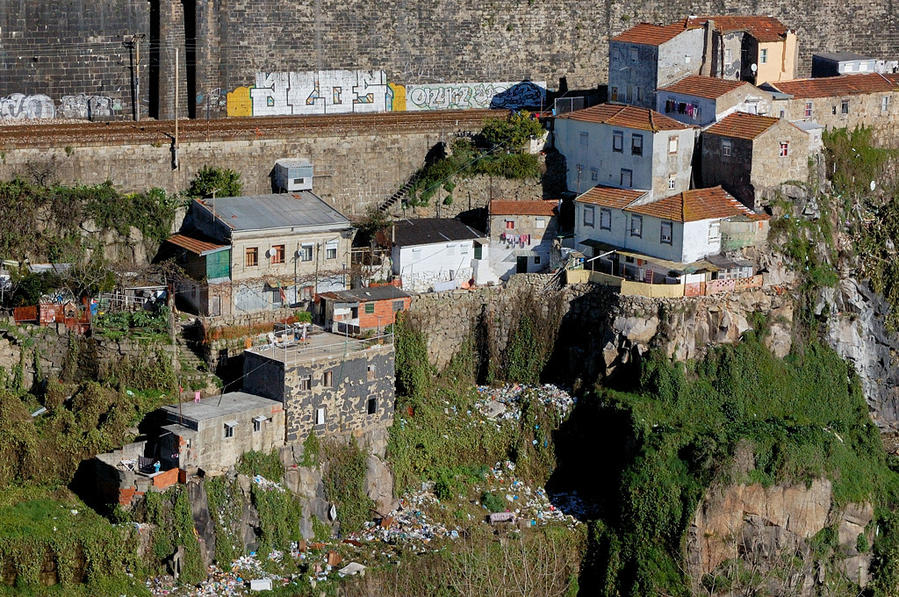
point(292, 175)
point(363, 309)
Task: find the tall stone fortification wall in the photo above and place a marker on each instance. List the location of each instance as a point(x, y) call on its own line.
point(56, 49)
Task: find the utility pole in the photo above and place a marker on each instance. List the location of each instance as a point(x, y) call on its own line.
point(175, 149)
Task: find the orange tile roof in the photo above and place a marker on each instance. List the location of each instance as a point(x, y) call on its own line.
point(834, 86)
point(523, 208)
point(742, 125)
point(764, 29)
point(652, 35)
point(892, 78)
point(695, 205)
point(194, 245)
point(708, 87)
point(626, 116)
point(611, 196)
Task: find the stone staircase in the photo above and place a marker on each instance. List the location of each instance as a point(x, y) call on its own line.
point(400, 194)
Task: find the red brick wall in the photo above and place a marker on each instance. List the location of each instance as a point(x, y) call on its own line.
point(166, 479)
point(383, 310)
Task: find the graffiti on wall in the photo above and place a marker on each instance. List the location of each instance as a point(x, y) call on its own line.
point(466, 96)
point(21, 106)
point(311, 92)
point(92, 107)
point(343, 91)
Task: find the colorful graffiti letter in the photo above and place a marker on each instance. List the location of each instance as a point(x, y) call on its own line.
point(316, 92)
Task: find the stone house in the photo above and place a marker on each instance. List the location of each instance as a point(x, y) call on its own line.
point(647, 56)
point(363, 309)
point(751, 156)
point(734, 44)
point(704, 100)
point(436, 253)
point(213, 433)
point(248, 254)
point(627, 147)
point(521, 235)
point(848, 101)
point(331, 385)
point(681, 228)
point(834, 64)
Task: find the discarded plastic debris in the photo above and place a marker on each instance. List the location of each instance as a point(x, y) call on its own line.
point(498, 517)
point(352, 569)
point(261, 584)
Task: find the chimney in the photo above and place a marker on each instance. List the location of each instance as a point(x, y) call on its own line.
point(708, 31)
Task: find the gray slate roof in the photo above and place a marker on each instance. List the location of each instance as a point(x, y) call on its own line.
point(841, 56)
point(362, 295)
point(424, 231)
point(300, 209)
point(217, 406)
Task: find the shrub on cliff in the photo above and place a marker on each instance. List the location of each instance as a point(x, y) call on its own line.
point(220, 182)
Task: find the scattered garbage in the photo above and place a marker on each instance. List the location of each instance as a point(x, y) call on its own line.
point(504, 403)
point(261, 584)
point(352, 569)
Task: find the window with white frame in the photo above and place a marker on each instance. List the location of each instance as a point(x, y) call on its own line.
point(666, 232)
point(784, 149)
point(849, 67)
point(229, 429)
point(618, 141)
point(510, 224)
point(808, 109)
point(257, 423)
point(884, 104)
point(540, 223)
point(726, 147)
point(862, 67)
point(672, 182)
point(306, 252)
point(320, 415)
point(637, 226)
point(672, 144)
point(306, 383)
point(605, 218)
point(331, 249)
point(636, 144)
point(764, 56)
point(588, 216)
point(844, 106)
point(714, 231)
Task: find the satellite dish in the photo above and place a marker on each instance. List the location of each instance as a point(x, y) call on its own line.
point(873, 185)
point(754, 67)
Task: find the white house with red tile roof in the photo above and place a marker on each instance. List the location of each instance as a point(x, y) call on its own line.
point(625, 146)
point(681, 228)
point(705, 100)
point(521, 235)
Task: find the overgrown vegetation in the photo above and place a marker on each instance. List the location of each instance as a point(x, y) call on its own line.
point(42, 223)
point(804, 417)
point(219, 182)
point(259, 463)
point(226, 505)
point(496, 151)
point(344, 480)
point(150, 325)
point(173, 522)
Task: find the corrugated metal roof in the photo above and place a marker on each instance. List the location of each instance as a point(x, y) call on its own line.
point(626, 116)
point(651, 35)
point(300, 209)
point(500, 207)
point(762, 28)
point(194, 245)
point(707, 87)
point(837, 86)
point(742, 125)
point(425, 231)
point(611, 196)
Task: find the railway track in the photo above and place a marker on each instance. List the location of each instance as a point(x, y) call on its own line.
point(225, 129)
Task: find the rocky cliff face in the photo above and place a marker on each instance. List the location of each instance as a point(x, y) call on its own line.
point(791, 539)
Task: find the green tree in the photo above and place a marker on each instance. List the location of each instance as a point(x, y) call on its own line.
point(513, 132)
point(223, 182)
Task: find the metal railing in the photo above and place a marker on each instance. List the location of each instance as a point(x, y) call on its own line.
point(305, 348)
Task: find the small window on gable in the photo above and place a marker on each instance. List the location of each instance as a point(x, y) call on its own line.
point(320, 415)
point(328, 379)
point(372, 406)
point(605, 218)
point(618, 141)
point(510, 224)
point(540, 223)
point(714, 231)
point(588, 216)
point(371, 373)
point(369, 308)
point(726, 147)
point(784, 149)
point(637, 226)
point(306, 383)
point(672, 144)
point(686, 59)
